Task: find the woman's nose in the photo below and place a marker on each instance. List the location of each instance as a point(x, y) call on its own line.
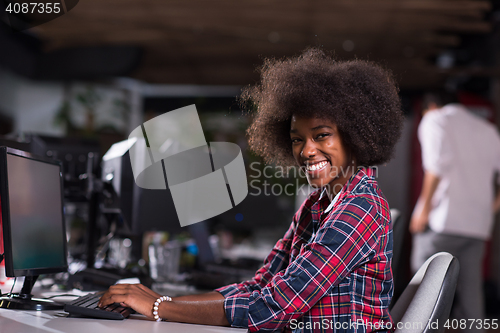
point(308, 150)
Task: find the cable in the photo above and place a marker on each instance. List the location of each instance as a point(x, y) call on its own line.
point(11, 289)
point(62, 295)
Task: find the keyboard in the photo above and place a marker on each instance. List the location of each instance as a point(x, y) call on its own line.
point(87, 306)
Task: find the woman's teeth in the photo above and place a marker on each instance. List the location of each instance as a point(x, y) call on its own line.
point(317, 166)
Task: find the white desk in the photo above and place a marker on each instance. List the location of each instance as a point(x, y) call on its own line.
point(19, 321)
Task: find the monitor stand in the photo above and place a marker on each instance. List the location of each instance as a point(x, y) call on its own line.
point(25, 300)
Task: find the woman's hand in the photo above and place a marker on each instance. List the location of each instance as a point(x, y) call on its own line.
point(204, 309)
point(135, 296)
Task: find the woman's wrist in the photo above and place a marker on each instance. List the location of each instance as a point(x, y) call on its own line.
point(156, 307)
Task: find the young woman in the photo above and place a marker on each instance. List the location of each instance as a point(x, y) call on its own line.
point(331, 271)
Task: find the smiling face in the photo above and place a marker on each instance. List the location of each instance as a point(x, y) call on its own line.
point(317, 148)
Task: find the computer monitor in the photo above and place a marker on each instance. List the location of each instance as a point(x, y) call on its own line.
point(32, 219)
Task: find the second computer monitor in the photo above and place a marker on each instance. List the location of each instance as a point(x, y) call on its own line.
point(34, 236)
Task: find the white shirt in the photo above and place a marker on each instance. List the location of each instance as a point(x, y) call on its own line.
point(464, 151)
point(330, 206)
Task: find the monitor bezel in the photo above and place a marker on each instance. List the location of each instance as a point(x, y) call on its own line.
point(6, 225)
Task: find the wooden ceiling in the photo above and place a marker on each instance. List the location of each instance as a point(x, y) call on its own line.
point(222, 42)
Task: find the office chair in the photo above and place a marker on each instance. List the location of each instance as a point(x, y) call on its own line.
point(400, 236)
point(395, 215)
point(425, 304)
point(399, 228)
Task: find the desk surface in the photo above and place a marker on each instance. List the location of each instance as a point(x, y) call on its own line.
point(18, 321)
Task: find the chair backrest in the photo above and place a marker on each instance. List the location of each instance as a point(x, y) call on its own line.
point(425, 304)
point(395, 215)
point(399, 228)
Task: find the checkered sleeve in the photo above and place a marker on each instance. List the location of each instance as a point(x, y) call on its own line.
point(345, 241)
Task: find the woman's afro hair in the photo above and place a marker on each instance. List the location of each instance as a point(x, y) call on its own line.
point(360, 97)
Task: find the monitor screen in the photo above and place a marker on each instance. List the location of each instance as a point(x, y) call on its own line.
point(32, 214)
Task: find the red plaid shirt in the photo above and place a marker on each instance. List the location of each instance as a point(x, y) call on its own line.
point(330, 272)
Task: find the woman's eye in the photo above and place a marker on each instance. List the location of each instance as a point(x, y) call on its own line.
point(322, 135)
point(295, 140)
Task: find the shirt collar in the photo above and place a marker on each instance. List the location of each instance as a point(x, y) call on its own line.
point(330, 206)
point(350, 185)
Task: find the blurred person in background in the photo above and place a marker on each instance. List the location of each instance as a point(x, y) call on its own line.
point(454, 212)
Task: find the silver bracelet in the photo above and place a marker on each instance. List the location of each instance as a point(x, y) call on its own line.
point(157, 305)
